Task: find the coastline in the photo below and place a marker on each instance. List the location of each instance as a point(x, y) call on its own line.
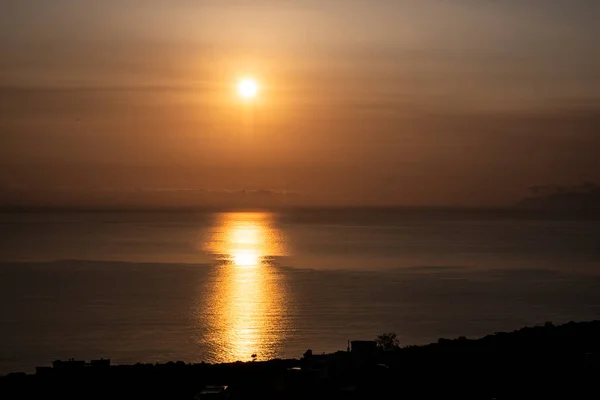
point(540, 360)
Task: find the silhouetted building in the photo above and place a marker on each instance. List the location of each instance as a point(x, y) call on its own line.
point(363, 348)
point(69, 365)
point(101, 363)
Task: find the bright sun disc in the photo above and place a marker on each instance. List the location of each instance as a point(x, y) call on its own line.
point(247, 88)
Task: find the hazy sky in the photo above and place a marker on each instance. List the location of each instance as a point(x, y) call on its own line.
point(362, 102)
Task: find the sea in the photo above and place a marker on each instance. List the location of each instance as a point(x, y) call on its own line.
point(202, 286)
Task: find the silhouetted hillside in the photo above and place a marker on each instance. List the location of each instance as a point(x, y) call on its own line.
point(537, 362)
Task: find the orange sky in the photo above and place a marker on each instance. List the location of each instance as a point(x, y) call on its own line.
point(362, 103)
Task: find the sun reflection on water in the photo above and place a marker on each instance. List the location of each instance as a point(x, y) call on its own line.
point(247, 302)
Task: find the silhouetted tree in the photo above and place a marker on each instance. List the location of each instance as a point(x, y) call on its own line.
point(388, 341)
point(308, 353)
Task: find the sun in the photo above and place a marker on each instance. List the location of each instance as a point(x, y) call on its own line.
point(247, 88)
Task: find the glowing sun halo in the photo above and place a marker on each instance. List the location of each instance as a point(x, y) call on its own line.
point(247, 88)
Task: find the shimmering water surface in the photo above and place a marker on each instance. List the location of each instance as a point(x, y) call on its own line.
point(248, 305)
point(149, 287)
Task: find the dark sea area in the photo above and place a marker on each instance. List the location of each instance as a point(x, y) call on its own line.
point(218, 287)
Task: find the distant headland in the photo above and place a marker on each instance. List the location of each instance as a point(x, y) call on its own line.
point(584, 197)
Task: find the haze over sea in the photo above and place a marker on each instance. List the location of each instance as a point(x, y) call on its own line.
point(218, 287)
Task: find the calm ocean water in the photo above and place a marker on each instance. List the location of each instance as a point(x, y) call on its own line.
point(148, 287)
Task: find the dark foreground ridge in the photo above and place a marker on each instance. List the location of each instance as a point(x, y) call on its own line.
point(534, 363)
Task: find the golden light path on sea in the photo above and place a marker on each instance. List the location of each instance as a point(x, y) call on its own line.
point(247, 302)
